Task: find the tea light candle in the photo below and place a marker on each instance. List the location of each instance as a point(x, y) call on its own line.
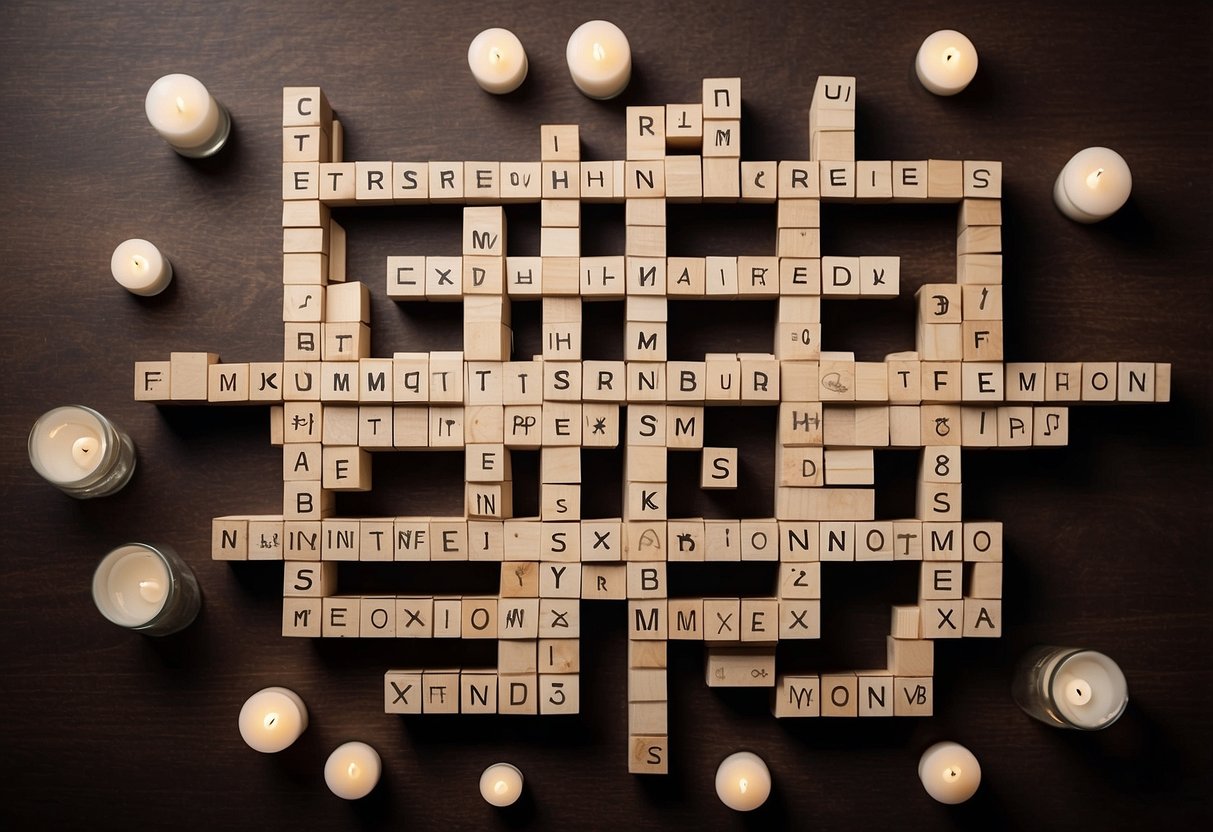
point(81, 452)
point(946, 62)
point(949, 772)
point(743, 781)
point(146, 588)
point(140, 268)
point(501, 784)
point(272, 719)
point(187, 116)
point(600, 59)
point(1089, 690)
point(352, 770)
point(1093, 185)
point(498, 61)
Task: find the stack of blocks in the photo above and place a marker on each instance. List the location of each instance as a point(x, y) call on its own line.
point(333, 406)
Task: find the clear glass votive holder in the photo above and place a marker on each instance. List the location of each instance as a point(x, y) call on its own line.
point(148, 589)
point(1070, 687)
point(81, 452)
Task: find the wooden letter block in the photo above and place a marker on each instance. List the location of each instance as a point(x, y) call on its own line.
point(719, 468)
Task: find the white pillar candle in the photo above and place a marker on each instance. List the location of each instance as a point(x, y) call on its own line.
point(140, 268)
point(146, 588)
point(600, 59)
point(187, 116)
point(352, 770)
point(949, 772)
point(946, 62)
point(743, 781)
point(1093, 185)
point(501, 784)
point(497, 60)
point(1089, 690)
point(272, 719)
point(81, 452)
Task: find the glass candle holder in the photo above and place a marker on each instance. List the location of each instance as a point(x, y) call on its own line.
point(1070, 687)
point(148, 589)
point(81, 452)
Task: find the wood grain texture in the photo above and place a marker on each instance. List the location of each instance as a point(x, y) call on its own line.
point(1107, 540)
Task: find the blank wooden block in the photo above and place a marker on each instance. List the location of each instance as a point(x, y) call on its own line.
point(189, 375)
point(849, 467)
point(721, 179)
point(906, 623)
point(945, 179)
point(910, 657)
point(985, 581)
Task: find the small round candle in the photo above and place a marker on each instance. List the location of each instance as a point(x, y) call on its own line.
point(600, 59)
point(352, 770)
point(140, 268)
point(81, 452)
point(501, 784)
point(272, 719)
point(949, 772)
point(187, 116)
point(1093, 185)
point(1089, 690)
point(146, 588)
point(743, 781)
point(498, 61)
point(946, 62)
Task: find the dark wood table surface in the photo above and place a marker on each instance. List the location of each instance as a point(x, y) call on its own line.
point(1108, 540)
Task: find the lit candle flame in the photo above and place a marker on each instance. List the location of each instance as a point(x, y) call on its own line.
point(743, 785)
point(271, 720)
point(495, 55)
point(1093, 178)
point(501, 787)
point(599, 52)
point(352, 771)
point(180, 104)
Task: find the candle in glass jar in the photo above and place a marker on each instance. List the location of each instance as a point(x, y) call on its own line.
point(352, 770)
point(949, 772)
point(600, 59)
point(743, 781)
point(1089, 690)
point(501, 784)
point(140, 268)
point(272, 719)
point(946, 62)
point(498, 61)
point(81, 452)
point(145, 588)
point(187, 116)
point(1093, 185)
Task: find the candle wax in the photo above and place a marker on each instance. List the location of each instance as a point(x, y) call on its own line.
point(272, 719)
point(949, 772)
point(600, 59)
point(501, 784)
point(352, 770)
point(67, 444)
point(140, 268)
point(186, 116)
point(131, 585)
point(1090, 690)
point(1093, 185)
point(498, 61)
point(743, 781)
point(946, 62)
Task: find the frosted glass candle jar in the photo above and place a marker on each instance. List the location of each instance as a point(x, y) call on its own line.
point(1069, 687)
point(187, 116)
point(81, 452)
point(148, 589)
point(600, 59)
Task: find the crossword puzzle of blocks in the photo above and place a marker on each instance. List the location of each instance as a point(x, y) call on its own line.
point(334, 407)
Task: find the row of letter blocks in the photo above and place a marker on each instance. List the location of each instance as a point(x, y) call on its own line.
point(333, 403)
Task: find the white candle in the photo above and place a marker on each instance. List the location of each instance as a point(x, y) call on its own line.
point(600, 59)
point(81, 452)
point(743, 781)
point(140, 268)
point(352, 770)
point(1093, 185)
point(949, 772)
point(946, 62)
point(187, 116)
point(501, 784)
point(497, 60)
point(1089, 690)
point(272, 719)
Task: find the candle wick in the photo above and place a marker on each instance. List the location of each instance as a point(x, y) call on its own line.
point(271, 720)
point(1093, 179)
point(599, 52)
point(138, 263)
point(495, 55)
point(743, 785)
